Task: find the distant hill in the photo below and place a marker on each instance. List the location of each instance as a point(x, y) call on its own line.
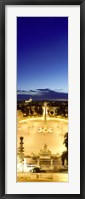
point(41, 94)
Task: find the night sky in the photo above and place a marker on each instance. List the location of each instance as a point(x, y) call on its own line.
point(42, 53)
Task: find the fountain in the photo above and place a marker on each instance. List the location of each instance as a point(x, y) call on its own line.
point(45, 129)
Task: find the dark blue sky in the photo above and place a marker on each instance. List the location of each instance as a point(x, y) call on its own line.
point(42, 53)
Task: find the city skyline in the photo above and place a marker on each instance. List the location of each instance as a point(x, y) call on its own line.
point(42, 53)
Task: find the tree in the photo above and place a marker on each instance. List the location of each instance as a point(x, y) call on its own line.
point(36, 109)
point(64, 155)
point(40, 110)
point(66, 140)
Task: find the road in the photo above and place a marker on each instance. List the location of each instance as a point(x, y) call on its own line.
point(42, 177)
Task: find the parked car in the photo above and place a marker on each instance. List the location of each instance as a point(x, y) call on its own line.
point(37, 170)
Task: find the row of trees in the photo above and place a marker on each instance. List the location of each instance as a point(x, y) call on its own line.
point(62, 110)
point(28, 110)
point(32, 109)
point(59, 111)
